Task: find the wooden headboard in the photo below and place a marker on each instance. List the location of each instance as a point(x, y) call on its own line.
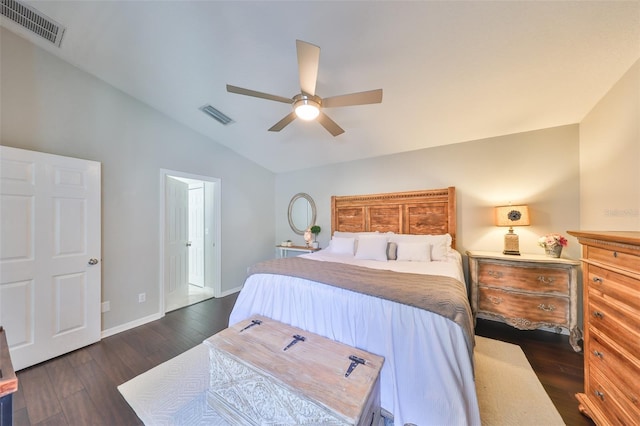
point(430, 211)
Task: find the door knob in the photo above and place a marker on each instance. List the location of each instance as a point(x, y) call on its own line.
point(188, 243)
point(93, 261)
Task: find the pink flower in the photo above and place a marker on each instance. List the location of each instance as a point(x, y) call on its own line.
point(552, 240)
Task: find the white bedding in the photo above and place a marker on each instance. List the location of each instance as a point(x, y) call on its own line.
point(427, 377)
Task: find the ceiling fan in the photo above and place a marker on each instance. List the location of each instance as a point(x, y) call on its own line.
point(307, 105)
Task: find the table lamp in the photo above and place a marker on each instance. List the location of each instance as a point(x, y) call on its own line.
point(511, 216)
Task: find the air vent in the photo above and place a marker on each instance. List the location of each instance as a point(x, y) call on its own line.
point(217, 115)
point(31, 19)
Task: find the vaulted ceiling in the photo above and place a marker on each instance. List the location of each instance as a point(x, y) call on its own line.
point(451, 71)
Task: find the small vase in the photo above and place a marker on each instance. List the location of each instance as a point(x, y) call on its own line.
point(553, 251)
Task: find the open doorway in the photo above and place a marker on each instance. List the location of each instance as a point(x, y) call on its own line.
point(190, 230)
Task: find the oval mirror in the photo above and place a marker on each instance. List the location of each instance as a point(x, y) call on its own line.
point(302, 213)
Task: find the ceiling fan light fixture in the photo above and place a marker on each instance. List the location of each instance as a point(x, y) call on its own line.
point(306, 108)
point(306, 105)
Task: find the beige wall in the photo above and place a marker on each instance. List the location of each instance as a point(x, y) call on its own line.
point(48, 105)
point(537, 168)
point(610, 159)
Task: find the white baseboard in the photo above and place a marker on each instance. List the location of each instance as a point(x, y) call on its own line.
point(129, 325)
point(228, 292)
point(152, 317)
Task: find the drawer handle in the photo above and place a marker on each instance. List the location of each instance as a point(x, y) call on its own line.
point(599, 394)
point(495, 274)
point(598, 354)
point(495, 300)
point(546, 280)
point(547, 308)
point(598, 314)
point(597, 280)
point(615, 254)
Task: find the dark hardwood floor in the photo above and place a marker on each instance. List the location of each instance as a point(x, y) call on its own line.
point(79, 388)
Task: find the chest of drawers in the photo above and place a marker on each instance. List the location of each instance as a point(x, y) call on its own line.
point(527, 291)
point(611, 286)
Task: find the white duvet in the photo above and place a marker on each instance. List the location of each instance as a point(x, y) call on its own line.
point(427, 377)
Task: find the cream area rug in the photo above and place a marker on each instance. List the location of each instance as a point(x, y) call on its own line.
point(509, 393)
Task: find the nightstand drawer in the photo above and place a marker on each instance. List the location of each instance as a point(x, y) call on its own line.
point(540, 279)
point(529, 309)
point(620, 260)
point(617, 286)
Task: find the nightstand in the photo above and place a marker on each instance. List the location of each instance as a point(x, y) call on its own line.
point(527, 291)
point(287, 251)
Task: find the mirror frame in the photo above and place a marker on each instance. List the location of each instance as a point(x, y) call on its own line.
point(312, 204)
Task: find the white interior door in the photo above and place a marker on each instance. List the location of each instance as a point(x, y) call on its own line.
point(176, 238)
point(196, 234)
point(50, 243)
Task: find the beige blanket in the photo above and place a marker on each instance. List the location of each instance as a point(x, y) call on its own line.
point(441, 295)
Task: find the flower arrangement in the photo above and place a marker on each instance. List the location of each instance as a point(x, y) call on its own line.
point(552, 240)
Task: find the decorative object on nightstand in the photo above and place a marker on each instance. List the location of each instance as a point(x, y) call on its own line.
point(512, 216)
point(553, 244)
point(611, 297)
point(315, 230)
point(307, 237)
point(527, 292)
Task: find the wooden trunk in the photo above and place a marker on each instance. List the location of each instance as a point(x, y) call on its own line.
point(255, 381)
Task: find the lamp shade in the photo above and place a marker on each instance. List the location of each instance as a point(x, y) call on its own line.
point(512, 216)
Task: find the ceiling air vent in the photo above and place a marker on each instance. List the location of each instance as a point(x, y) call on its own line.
point(217, 115)
point(33, 20)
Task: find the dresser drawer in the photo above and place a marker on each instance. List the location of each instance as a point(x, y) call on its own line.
point(614, 321)
point(626, 261)
point(610, 284)
point(607, 397)
point(618, 367)
point(527, 310)
point(538, 279)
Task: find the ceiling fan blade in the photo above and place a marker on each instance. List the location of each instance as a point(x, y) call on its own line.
point(329, 124)
point(283, 123)
point(360, 98)
point(308, 60)
point(255, 94)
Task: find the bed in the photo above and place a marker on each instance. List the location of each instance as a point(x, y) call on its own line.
point(412, 310)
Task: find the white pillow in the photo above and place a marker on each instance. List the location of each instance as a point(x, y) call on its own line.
point(356, 235)
point(439, 250)
point(372, 247)
point(414, 251)
point(439, 243)
point(342, 245)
